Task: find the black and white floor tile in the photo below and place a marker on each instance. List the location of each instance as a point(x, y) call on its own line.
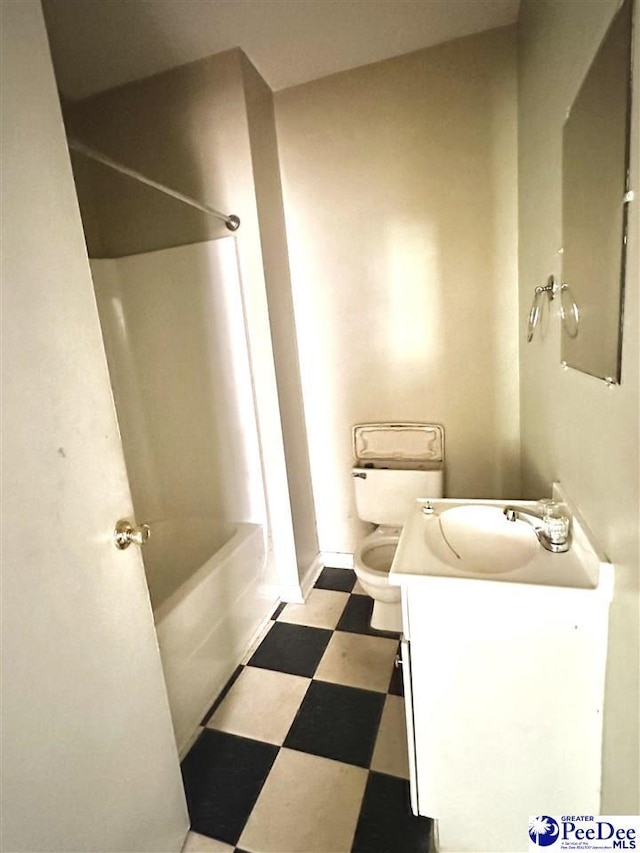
point(305, 750)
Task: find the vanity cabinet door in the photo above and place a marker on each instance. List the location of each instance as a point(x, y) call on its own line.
point(405, 648)
point(506, 682)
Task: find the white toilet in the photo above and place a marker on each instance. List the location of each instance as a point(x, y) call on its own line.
point(394, 465)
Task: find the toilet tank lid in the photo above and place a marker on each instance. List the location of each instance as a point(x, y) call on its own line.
point(398, 445)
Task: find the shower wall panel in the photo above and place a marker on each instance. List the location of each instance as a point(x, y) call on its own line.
point(175, 337)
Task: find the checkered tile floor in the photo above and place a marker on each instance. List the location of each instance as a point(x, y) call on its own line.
point(305, 750)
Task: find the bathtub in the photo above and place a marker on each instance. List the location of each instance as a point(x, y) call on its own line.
point(206, 581)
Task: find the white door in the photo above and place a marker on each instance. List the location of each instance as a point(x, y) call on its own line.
point(88, 757)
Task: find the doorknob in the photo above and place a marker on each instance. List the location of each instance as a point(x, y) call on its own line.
point(126, 533)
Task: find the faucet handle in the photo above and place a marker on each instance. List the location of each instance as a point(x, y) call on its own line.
point(510, 513)
point(556, 526)
point(546, 506)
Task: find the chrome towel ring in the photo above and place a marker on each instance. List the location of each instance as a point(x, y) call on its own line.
point(536, 306)
point(569, 313)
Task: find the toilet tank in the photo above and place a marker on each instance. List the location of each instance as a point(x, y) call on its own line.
point(394, 465)
point(385, 496)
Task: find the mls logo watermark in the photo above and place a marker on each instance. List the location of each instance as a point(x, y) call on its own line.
point(583, 832)
point(543, 830)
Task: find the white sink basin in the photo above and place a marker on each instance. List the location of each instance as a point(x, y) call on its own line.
point(473, 541)
point(480, 540)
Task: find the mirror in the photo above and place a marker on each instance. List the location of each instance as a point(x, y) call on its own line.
point(595, 167)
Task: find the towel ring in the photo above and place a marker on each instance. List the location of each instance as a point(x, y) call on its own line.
point(535, 313)
point(569, 311)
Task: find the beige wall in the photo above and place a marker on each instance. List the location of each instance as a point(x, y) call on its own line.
point(186, 128)
point(575, 429)
point(400, 181)
point(268, 187)
point(192, 129)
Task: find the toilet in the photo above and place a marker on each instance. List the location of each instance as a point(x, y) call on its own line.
point(394, 465)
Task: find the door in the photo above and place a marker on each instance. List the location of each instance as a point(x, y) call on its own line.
point(88, 757)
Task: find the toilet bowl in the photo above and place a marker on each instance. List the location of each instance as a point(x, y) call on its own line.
point(395, 463)
point(372, 561)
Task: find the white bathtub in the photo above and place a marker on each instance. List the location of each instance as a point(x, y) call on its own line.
point(209, 596)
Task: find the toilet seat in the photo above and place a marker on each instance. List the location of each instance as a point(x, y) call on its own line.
point(376, 551)
point(372, 562)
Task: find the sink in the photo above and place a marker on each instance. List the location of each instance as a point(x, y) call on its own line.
point(471, 541)
point(494, 620)
point(480, 540)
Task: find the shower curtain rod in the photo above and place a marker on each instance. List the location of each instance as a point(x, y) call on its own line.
point(230, 220)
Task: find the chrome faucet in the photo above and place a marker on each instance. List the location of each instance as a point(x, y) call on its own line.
point(557, 545)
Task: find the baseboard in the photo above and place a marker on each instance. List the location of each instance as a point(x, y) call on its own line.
point(311, 575)
point(298, 593)
point(337, 559)
point(292, 594)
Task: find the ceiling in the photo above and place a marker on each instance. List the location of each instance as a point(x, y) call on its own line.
point(99, 44)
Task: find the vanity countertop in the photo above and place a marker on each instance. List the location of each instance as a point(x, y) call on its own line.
point(425, 554)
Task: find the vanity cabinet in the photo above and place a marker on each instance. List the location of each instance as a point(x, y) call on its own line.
point(504, 690)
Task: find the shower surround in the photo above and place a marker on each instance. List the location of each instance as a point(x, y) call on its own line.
point(175, 337)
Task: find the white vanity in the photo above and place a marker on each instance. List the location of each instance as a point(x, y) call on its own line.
point(503, 659)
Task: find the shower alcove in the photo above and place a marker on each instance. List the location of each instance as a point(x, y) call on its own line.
point(204, 378)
